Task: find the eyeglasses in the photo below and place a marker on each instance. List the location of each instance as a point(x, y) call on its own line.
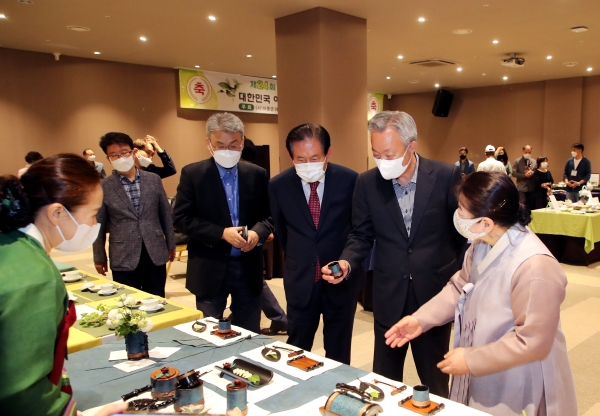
point(116, 156)
point(234, 147)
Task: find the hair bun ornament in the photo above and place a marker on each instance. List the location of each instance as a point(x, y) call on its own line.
point(10, 204)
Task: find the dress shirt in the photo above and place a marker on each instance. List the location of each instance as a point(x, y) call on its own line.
point(320, 190)
point(406, 197)
point(229, 178)
point(133, 189)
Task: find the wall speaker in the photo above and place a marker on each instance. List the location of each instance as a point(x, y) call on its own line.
point(443, 101)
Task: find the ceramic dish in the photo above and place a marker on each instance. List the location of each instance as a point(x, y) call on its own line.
point(271, 354)
point(146, 309)
point(265, 376)
point(70, 277)
point(107, 292)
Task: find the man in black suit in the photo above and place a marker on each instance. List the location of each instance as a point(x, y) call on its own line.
point(407, 205)
point(311, 204)
point(215, 199)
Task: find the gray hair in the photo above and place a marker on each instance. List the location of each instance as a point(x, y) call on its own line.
point(226, 122)
point(399, 121)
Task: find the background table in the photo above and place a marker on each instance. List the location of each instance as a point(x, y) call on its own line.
point(569, 236)
point(79, 340)
point(96, 382)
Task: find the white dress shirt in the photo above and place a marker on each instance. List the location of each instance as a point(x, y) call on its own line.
point(320, 190)
point(491, 165)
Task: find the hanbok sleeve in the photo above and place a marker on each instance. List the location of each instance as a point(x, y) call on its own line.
point(538, 289)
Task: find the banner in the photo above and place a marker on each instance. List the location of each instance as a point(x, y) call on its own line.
point(374, 104)
point(206, 90)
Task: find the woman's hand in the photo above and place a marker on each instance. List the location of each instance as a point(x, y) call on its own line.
point(407, 329)
point(454, 363)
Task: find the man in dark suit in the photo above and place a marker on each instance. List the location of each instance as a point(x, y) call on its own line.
point(215, 199)
point(311, 204)
point(148, 147)
point(407, 205)
point(136, 213)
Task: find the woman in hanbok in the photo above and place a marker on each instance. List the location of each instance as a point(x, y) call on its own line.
point(509, 351)
point(52, 206)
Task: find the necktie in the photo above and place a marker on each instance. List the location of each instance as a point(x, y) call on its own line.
point(315, 211)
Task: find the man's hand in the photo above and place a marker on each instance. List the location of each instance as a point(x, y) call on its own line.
point(462, 175)
point(573, 184)
point(529, 173)
point(101, 268)
point(172, 254)
point(252, 241)
point(406, 329)
point(233, 236)
point(328, 275)
point(454, 363)
point(154, 144)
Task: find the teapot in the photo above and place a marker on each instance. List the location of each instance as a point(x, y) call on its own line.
point(584, 195)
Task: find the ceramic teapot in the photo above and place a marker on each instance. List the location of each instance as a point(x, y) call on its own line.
point(584, 194)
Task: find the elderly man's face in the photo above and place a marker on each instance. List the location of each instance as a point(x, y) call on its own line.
point(222, 140)
point(388, 145)
point(527, 150)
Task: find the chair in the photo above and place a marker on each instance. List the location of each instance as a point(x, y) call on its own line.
point(180, 248)
point(181, 240)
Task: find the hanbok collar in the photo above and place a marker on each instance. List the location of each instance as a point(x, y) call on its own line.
point(34, 232)
point(500, 246)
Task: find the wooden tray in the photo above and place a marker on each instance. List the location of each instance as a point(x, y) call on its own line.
point(226, 335)
point(432, 409)
point(304, 363)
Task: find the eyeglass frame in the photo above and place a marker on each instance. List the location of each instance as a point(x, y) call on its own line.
point(114, 157)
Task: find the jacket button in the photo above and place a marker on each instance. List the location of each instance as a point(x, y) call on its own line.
point(409, 250)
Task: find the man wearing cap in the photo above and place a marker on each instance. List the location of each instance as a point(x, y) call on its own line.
point(490, 164)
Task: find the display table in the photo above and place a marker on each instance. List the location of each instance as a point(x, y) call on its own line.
point(570, 236)
point(80, 340)
point(96, 382)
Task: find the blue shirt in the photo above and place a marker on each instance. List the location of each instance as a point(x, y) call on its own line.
point(406, 197)
point(133, 189)
point(229, 178)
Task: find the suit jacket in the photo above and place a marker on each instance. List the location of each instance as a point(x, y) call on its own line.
point(303, 243)
point(524, 184)
point(201, 212)
point(129, 229)
point(470, 168)
point(100, 169)
point(168, 168)
point(584, 171)
point(430, 255)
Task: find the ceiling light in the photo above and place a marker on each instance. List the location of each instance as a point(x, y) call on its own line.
point(504, 78)
point(483, 75)
point(579, 29)
point(459, 69)
point(589, 69)
point(388, 77)
point(248, 56)
point(79, 28)
point(96, 53)
point(421, 19)
point(437, 85)
point(549, 57)
point(2, 16)
point(274, 76)
point(462, 31)
point(495, 41)
point(570, 64)
point(197, 66)
point(400, 57)
point(143, 38)
point(414, 81)
point(25, 1)
point(212, 18)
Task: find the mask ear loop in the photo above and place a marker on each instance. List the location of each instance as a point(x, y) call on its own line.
point(58, 226)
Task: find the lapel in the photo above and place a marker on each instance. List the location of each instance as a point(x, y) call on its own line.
point(388, 196)
point(143, 193)
point(219, 201)
point(121, 192)
point(425, 183)
point(295, 187)
point(244, 191)
point(330, 184)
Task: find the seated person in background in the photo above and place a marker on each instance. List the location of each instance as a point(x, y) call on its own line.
point(502, 156)
point(151, 147)
point(490, 164)
point(577, 172)
point(137, 214)
point(90, 156)
point(542, 183)
point(30, 158)
point(466, 166)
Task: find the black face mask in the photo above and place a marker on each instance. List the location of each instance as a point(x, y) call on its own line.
point(463, 157)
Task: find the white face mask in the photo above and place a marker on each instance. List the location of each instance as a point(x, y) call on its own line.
point(91, 158)
point(527, 156)
point(391, 169)
point(226, 158)
point(144, 161)
point(123, 164)
point(84, 236)
point(310, 172)
point(544, 165)
point(463, 226)
point(574, 154)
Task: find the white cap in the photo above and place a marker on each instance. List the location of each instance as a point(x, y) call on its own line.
point(490, 148)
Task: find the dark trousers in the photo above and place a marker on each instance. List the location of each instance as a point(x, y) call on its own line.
point(526, 198)
point(244, 305)
point(272, 309)
point(146, 276)
point(540, 202)
point(427, 350)
point(338, 322)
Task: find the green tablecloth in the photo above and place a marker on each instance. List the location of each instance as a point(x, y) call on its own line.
point(63, 267)
point(567, 223)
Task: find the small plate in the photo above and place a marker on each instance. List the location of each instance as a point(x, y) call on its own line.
point(70, 277)
point(265, 353)
point(145, 309)
point(108, 292)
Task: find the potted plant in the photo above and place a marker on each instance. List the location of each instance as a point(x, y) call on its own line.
point(132, 324)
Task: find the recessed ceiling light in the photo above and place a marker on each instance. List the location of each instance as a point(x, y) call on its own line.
point(274, 76)
point(579, 29)
point(197, 66)
point(483, 75)
point(462, 31)
point(79, 28)
point(213, 18)
point(2, 16)
point(437, 85)
point(400, 57)
point(248, 56)
point(421, 19)
point(549, 57)
point(459, 69)
point(589, 69)
point(414, 81)
point(569, 64)
point(143, 38)
point(504, 78)
point(388, 77)
point(495, 41)
point(96, 53)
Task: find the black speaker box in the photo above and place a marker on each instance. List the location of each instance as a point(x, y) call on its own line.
point(443, 101)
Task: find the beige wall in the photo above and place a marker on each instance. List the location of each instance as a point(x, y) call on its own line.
point(548, 115)
point(66, 106)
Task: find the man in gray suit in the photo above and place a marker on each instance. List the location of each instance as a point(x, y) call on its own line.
point(136, 213)
point(523, 169)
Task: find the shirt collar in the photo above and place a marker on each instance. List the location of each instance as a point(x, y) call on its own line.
point(414, 178)
point(223, 171)
point(34, 232)
point(123, 177)
point(501, 245)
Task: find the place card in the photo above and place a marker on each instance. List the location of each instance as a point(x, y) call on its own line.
point(129, 366)
point(163, 352)
point(117, 355)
